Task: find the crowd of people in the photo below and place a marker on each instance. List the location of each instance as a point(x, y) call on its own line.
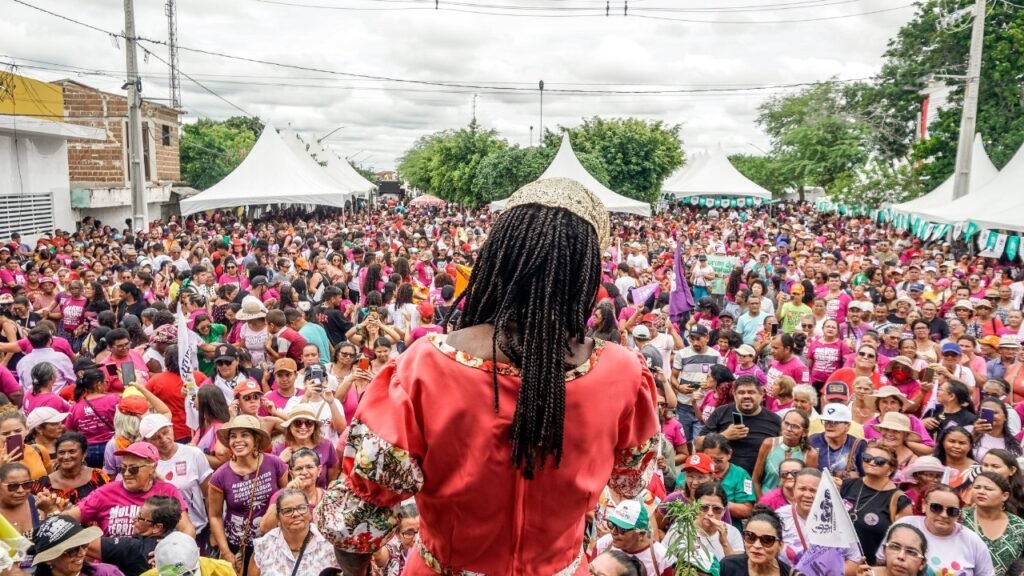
point(829, 345)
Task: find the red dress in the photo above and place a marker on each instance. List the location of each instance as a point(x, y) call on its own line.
point(427, 427)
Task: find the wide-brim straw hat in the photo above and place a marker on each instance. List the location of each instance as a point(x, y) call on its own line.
point(245, 422)
point(300, 412)
point(252, 309)
point(901, 361)
point(887, 391)
point(896, 421)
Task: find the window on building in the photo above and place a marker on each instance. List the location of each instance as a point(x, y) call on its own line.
point(165, 135)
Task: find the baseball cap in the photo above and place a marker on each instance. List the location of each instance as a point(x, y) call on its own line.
point(916, 287)
point(630, 515)
point(426, 310)
point(247, 387)
point(285, 365)
point(649, 317)
point(992, 341)
point(652, 358)
point(836, 391)
point(140, 449)
point(699, 462)
point(836, 413)
point(951, 347)
point(641, 332)
point(226, 352)
point(726, 314)
point(151, 424)
point(176, 555)
point(796, 289)
point(699, 330)
point(133, 405)
point(258, 281)
point(44, 415)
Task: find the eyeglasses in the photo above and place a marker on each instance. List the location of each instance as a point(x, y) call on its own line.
point(294, 510)
point(252, 397)
point(76, 551)
point(876, 460)
point(789, 474)
point(140, 518)
point(410, 533)
point(616, 529)
point(808, 325)
point(951, 511)
point(901, 550)
point(15, 486)
point(132, 470)
point(304, 424)
point(766, 540)
point(718, 510)
point(866, 355)
point(792, 426)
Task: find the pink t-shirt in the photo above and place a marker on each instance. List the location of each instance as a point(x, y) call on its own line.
point(827, 356)
point(836, 307)
point(754, 371)
point(114, 509)
point(97, 428)
point(280, 401)
point(57, 343)
point(794, 368)
point(31, 402)
point(72, 311)
point(421, 331)
point(8, 382)
point(673, 430)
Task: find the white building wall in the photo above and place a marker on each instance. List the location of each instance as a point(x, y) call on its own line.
point(36, 164)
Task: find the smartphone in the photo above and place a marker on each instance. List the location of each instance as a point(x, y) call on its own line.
point(928, 374)
point(127, 373)
point(364, 363)
point(737, 419)
point(111, 369)
point(775, 329)
point(15, 443)
point(987, 414)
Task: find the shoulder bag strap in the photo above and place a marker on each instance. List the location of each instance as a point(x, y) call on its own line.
point(894, 503)
point(654, 560)
point(302, 551)
point(98, 415)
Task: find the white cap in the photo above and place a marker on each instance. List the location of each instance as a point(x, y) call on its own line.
point(836, 413)
point(44, 415)
point(177, 554)
point(151, 424)
point(641, 333)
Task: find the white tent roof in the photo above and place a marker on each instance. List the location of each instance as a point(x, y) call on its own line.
point(982, 172)
point(997, 205)
point(713, 176)
point(270, 174)
point(677, 178)
point(338, 169)
point(566, 165)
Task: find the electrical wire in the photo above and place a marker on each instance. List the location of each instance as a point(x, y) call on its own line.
point(203, 86)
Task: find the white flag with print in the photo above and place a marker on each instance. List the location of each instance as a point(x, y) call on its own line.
point(992, 245)
point(829, 523)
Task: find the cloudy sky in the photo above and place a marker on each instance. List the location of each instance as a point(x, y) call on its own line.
point(714, 61)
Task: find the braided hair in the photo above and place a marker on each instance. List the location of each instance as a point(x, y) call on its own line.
point(521, 286)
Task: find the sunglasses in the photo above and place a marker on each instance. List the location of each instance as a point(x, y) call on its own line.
point(76, 551)
point(132, 470)
point(616, 529)
point(866, 355)
point(876, 460)
point(789, 474)
point(950, 355)
point(252, 397)
point(304, 424)
point(15, 486)
point(766, 540)
point(718, 510)
point(951, 511)
point(410, 533)
point(808, 325)
point(224, 362)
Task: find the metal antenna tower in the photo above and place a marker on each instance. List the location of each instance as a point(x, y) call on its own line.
point(171, 10)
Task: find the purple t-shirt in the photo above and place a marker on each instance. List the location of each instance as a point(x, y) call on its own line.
point(97, 428)
point(114, 509)
point(239, 493)
point(828, 357)
point(328, 458)
point(31, 402)
point(72, 311)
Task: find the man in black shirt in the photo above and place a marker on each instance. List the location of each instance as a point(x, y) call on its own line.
point(157, 518)
point(331, 318)
point(745, 423)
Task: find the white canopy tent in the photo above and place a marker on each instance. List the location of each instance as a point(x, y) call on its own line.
point(567, 165)
point(982, 172)
point(676, 179)
point(271, 174)
point(997, 206)
point(713, 176)
point(337, 168)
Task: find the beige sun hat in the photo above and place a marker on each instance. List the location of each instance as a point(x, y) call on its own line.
point(252, 309)
point(245, 422)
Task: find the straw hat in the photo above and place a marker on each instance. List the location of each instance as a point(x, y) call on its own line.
point(922, 464)
point(300, 412)
point(889, 391)
point(245, 422)
point(58, 534)
point(896, 421)
point(902, 361)
point(252, 309)
point(569, 195)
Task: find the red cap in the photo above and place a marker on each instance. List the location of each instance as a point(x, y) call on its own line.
point(426, 310)
point(699, 462)
point(247, 387)
point(133, 405)
point(649, 317)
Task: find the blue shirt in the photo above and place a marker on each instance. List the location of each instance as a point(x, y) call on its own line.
point(749, 326)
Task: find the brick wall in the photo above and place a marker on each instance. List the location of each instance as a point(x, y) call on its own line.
point(103, 164)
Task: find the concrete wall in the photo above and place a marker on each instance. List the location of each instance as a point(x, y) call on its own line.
point(116, 215)
point(37, 165)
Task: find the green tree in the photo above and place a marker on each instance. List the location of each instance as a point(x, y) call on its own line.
point(454, 161)
point(414, 165)
point(505, 171)
point(816, 140)
point(933, 43)
point(365, 171)
point(637, 154)
point(761, 170)
point(210, 150)
point(249, 123)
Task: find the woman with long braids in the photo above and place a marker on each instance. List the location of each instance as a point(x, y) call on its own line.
point(484, 463)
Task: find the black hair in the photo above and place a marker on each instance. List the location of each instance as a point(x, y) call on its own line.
point(1009, 439)
point(1016, 501)
point(519, 286)
point(6, 469)
point(765, 514)
point(746, 380)
point(88, 381)
point(917, 532)
point(117, 334)
point(960, 390)
point(940, 449)
point(39, 338)
point(166, 512)
point(372, 279)
point(74, 437)
point(712, 488)
point(716, 441)
point(629, 565)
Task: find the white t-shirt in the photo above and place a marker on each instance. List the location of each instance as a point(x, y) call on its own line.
point(187, 470)
point(323, 412)
point(654, 558)
point(624, 283)
point(962, 548)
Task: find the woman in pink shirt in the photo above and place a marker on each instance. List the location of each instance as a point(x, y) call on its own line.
point(93, 414)
point(44, 375)
point(825, 355)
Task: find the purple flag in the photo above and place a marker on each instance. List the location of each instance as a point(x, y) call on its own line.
point(680, 301)
point(821, 561)
point(642, 294)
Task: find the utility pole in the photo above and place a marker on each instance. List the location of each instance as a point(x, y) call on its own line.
point(540, 134)
point(136, 172)
point(172, 52)
point(474, 108)
point(968, 118)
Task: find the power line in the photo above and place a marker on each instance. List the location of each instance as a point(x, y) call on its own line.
point(201, 85)
point(793, 21)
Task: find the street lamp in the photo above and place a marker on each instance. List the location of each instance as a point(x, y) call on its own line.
point(531, 136)
point(324, 137)
point(541, 134)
